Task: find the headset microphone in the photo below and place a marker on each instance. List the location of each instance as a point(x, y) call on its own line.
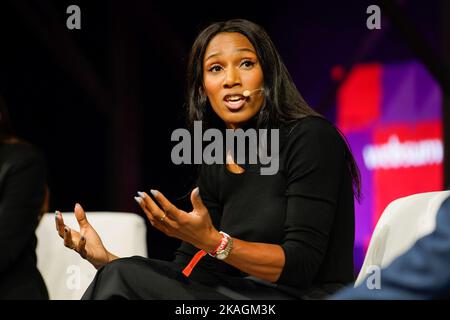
point(248, 93)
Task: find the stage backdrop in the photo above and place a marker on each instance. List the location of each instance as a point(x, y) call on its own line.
point(391, 116)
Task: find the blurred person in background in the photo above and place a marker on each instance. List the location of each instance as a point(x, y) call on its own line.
point(23, 200)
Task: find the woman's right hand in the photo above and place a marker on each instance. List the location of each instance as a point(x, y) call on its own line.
point(86, 242)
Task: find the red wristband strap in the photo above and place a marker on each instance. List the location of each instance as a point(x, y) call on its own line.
point(200, 254)
point(191, 265)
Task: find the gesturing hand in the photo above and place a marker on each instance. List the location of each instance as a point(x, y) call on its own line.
point(86, 242)
point(194, 227)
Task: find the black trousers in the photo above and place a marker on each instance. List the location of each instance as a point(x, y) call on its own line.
point(143, 278)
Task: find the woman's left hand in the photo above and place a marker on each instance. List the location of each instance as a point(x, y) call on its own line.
point(194, 227)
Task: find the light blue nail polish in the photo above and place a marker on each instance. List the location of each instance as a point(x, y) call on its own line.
point(138, 199)
point(56, 220)
point(141, 194)
point(154, 192)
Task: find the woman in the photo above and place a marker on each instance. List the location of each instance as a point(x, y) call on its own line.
point(287, 235)
point(22, 201)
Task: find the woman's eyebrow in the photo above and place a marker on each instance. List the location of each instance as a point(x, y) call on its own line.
point(212, 55)
point(237, 50)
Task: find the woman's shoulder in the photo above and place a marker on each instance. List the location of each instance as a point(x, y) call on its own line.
point(20, 153)
point(314, 128)
point(311, 141)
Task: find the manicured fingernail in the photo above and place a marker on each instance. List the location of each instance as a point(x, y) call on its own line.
point(138, 199)
point(154, 192)
point(56, 220)
point(77, 205)
point(141, 194)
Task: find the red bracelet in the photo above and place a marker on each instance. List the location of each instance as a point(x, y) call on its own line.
point(200, 254)
point(222, 245)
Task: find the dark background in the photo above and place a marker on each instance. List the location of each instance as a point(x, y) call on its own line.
point(102, 102)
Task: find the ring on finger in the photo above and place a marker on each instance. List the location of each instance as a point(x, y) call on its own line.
point(163, 217)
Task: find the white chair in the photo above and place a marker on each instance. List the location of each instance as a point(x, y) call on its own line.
point(65, 273)
point(402, 223)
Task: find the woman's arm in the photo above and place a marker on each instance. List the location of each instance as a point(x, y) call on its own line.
point(261, 260)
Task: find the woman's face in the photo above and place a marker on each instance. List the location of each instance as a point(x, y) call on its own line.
point(230, 67)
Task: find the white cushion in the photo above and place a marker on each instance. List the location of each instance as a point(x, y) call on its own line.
point(402, 223)
point(65, 273)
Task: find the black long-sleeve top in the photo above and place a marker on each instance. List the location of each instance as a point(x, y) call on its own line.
point(22, 191)
point(307, 208)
